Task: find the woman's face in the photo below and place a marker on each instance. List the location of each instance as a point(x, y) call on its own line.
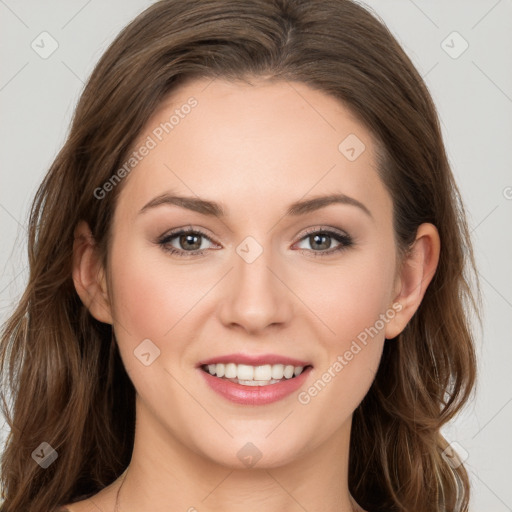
point(316, 285)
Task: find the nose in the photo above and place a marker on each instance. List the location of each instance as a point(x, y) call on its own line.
point(257, 295)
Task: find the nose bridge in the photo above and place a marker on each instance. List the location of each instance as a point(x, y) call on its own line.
point(256, 297)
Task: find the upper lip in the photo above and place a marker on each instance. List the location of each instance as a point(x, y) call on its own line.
point(254, 360)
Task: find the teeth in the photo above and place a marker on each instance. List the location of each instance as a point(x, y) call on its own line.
point(254, 375)
point(245, 372)
point(277, 371)
point(219, 369)
point(288, 372)
point(230, 371)
point(263, 372)
point(255, 382)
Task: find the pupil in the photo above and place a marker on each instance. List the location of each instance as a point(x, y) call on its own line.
point(189, 241)
point(187, 238)
point(317, 237)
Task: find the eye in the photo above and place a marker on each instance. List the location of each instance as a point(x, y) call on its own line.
point(189, 241)
point(322, 239)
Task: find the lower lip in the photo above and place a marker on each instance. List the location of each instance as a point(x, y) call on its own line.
point(255, 395)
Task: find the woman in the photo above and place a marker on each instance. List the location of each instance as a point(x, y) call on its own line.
point(248, 276)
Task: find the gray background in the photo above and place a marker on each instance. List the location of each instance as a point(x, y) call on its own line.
point(473, 93)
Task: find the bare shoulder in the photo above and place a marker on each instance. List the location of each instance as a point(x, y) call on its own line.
point(79, 506)
point(103, 501)
point(93, 504)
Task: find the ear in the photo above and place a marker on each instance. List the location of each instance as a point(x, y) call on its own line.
point(89, 275)
point(417, 270)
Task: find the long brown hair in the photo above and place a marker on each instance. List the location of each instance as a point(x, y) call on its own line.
point(62, 367)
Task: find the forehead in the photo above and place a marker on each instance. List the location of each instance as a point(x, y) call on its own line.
point(259, 143)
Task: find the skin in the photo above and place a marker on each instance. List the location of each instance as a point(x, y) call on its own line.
point(255, 149)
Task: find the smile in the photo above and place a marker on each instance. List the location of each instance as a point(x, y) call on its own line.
point(248, 375)
point(254, 385)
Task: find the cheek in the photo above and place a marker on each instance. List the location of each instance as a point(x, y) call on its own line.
point(150, 302)
point(351, 296)
point(156, 298)
point(155, 301)
point(350, 303)
point(353, 301)
point(151, 294)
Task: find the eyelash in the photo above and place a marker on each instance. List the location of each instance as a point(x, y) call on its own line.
point(344, 239)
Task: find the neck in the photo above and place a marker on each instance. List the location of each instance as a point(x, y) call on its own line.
point(164, 474)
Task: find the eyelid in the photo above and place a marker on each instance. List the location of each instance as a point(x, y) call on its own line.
point(323, 229)
point(184, 229)
point(347, 240)
point(308, 231)
point(342, 237)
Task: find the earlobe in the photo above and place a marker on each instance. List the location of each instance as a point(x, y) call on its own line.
point(416, 273)
point(89, 275)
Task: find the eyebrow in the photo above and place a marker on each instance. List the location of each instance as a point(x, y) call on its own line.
point(212, 208)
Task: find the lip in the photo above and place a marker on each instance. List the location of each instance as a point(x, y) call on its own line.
point(255, 395)
point(254, 360)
